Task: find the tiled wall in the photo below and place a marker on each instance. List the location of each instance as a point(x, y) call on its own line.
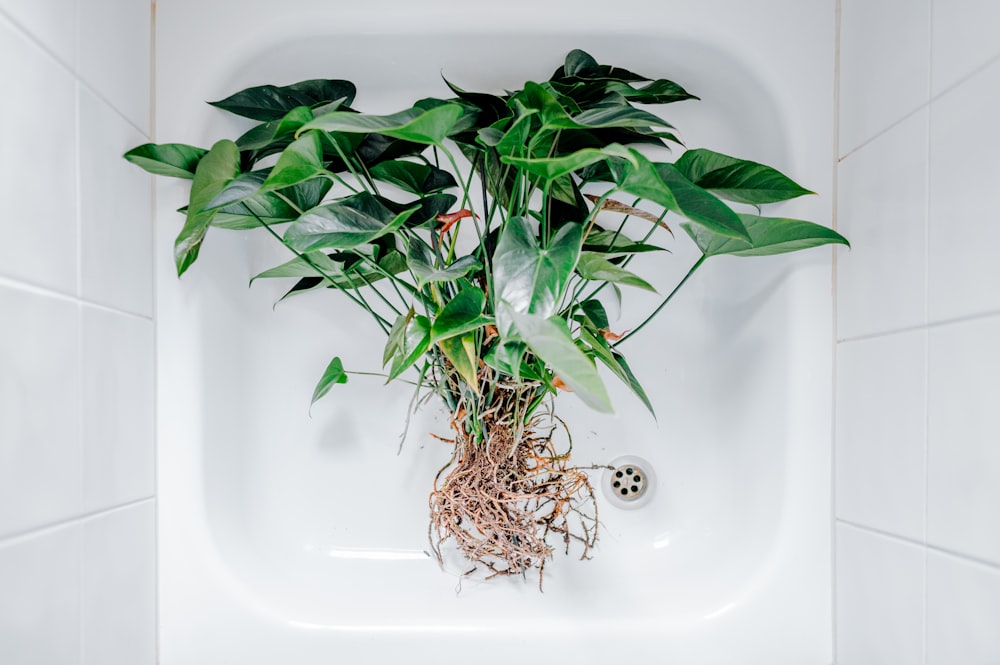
point(77, 529)
point(918, 327)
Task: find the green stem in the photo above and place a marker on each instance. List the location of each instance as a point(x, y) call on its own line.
point(665, 301)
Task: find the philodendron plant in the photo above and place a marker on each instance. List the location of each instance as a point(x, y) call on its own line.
point(485, 278)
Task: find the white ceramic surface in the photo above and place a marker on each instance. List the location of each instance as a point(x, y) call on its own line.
point(963, 603)
point(285, 538)
point(884, 65)
point(881, 432)
point(880, 599)
point(964, 35)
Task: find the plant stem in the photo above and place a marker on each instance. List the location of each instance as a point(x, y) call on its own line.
point(665, 301)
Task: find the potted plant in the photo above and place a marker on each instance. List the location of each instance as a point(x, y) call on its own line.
point(488, 280)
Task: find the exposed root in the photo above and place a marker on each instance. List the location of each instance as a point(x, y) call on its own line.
point(502, 498)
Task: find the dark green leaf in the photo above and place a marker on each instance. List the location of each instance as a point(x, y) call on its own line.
point(737, 179)
point(611, 242)
point(429, 127)
point(616, 363)
point(581, 65)
point(768, 235)
point(462, 315)
point(220, 165)
point(596, 267)
point(170, 159)
point(263, 135)
point(347, 223)
point(300, 161)
point(268, 102)
point(421, 262)
point(660, 91)
point(269, 208)
point(333, 375)
point(527, 277)
point(413, 177)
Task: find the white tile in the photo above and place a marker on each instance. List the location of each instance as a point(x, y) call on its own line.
point(117, 408)
point(51, 22)
point(884, 65)
point(882, 209)
point(37, 168)
point(39, 410)
point(963, 612)
point(963, 269)
point(880, 599)
point(964, 38)
point(119, 587)
point(40, 599)
point(880, 433)
point(114, 54)
point(116, 229)
point(963, 480)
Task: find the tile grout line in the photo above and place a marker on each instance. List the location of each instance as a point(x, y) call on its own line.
point(79, 519)
point(926, 334)
point(927, 547)
point(957, 320)
point(835, 324)
point(27, 287)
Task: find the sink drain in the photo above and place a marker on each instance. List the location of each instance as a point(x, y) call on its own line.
point(629, 481)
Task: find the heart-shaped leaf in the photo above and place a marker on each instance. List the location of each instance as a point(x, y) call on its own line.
point(738, 180)
point(421, 261)
point(768, 235)
point(170, 159)
point(300, 161)
point(428, 127)
point(333, 375)
point(345, 224)
point(269, 102)
point(463, 314)
point(220, 165)
point(413, 177)
point(596, 267)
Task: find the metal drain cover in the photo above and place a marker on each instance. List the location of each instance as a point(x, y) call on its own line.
point(629, 482)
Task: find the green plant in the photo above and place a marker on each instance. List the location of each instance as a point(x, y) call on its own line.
point(486, 280)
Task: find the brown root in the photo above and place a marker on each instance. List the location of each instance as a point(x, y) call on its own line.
point(502, 498)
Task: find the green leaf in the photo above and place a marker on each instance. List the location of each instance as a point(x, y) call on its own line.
point(299, 267)
point(664, 184)
point(237, 190)
point(616, 363)
point(170, 159)
point(428, 127)
point(269, 207)
point(527, 277)
point(269, 102)
point(768, 235)
point(596, 267)
point(581, 65)
point(395, 340)
point(413, 177)
point(345, 224)
point(554, 167)
point(414, 343)
point(264, 135)
point(421, 262)
point(550, 340)
point(461, 351)
point(660, 91)
point(333, 375)
point(737, 180)
point(220, 165)
point(611, 242)
point(300, 161)
point(463, 314)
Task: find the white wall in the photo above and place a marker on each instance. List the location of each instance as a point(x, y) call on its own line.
point(77, 516)
point(918, 359)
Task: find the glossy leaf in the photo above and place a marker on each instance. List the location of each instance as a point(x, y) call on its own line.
point(220, 165)
point(461, 351)
point(660, 91)
point(270, 208)
point(300, 161)
point(413, 177)
point(596, 267)
point(347, 223)
point(333, 375)
point(421, 261)
point(737, 180)
point(269, 102)
point(768, 235)
point(554, 167)
point(302, 267)
point(581, 65)
point(264, 134)
point(610, 242)
point(617, 364)
point(462, 315)
point(527, 277)
point(550, 340)
point(415, 341)
point(429, 127)
point(176, 160)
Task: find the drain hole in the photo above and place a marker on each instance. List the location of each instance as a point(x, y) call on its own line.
point(624, 491)
point(629, 471)
point(618, 474)
point(637, 479)
point(617, 484)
